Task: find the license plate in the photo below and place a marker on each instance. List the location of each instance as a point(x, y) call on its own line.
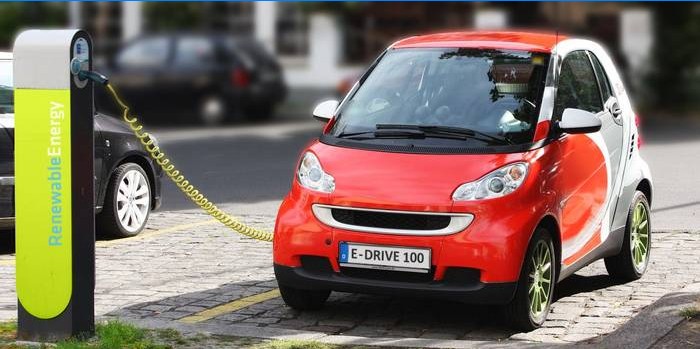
point(384, 257)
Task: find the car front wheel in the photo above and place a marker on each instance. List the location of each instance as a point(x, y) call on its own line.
point(300, 299)
point(127, 202)
point(533, 297)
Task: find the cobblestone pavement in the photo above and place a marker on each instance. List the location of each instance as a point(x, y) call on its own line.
point(172, 273)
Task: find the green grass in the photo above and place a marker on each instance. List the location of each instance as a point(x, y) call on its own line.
point(691, 313)
point(8, 331)
point(110, 335)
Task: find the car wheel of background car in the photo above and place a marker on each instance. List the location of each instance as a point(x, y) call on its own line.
point(304, 299)
point(127, 202)
point(213, 110)
point(631, 263)
point(533, 297)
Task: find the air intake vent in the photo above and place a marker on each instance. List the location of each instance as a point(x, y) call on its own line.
point(390, 220)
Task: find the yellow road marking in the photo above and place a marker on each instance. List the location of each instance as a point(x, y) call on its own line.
point(236, 305)
point(147, 235)
point(7, 262)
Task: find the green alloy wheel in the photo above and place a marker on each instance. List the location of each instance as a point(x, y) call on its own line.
point(535, 291)
point(632, 261)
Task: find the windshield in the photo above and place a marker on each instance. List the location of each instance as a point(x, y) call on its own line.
point(7, 103)
point(484, 91)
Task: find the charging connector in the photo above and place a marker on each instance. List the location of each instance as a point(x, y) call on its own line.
point(93, 76)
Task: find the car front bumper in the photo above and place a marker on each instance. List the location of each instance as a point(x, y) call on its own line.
point(457, 284)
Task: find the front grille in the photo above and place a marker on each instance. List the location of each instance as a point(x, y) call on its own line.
point(387, 275)
point(388, 220)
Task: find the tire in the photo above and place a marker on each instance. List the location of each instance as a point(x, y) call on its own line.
point(118, 218)
point(524, 312)
point(633, 259)
point(213, 110)
point(299, 299)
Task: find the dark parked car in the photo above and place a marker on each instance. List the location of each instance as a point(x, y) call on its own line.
point(127, 184)
point(214, 77)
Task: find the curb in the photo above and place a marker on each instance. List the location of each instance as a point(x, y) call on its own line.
point(651, 324)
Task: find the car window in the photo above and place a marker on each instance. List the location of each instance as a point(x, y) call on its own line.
point(6, 92)
point(491, 91)
point(577, 86)
point(146, 53)
point(193, 51)
point(603, 81)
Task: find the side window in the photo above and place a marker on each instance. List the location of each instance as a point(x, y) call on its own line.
point(603, 81)
point(577, 86)
point(147, 53)
point(193, 52)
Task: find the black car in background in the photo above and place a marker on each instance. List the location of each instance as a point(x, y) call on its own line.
point(210, 77)
point(127, 184)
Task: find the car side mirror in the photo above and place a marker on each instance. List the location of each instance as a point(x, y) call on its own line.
point(324, 111)
point(577, 121)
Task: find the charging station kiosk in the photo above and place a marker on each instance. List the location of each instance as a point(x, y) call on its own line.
point(54, 185)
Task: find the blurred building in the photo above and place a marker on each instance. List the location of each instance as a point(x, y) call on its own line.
point(321, 44)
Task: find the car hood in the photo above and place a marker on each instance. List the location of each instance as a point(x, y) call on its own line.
point(422, 182)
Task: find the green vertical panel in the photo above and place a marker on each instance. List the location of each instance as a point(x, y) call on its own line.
point(43, 200)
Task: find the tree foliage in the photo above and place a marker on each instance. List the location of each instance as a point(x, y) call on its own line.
point(15, 16)
point(675, 77)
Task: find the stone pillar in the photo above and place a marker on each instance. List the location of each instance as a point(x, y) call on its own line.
point(490, 19)
point(132, 19)
point(636, 37)
point(324, 45)
point(75, 18)
point(265, 21)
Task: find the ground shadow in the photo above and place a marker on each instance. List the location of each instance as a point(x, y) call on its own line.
point(575, 284)
point(348, 314)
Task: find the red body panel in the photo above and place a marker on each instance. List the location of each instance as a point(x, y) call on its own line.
point(535, 42)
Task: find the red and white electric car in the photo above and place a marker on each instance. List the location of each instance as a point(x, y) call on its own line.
point(482, 167)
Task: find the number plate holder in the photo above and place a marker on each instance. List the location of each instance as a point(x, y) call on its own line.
point(396, 258)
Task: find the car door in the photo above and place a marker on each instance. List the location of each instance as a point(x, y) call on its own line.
point(581, 178)
point(102, 154)
point(612, 122)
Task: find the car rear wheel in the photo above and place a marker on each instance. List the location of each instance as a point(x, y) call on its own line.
point(300, 299)
point(533, 297)
point(127, 202)
point(632, 261)
point(213, 110)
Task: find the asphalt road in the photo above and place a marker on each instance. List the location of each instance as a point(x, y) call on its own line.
point(248, 168)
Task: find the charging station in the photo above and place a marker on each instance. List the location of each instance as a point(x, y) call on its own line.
point(54, 184)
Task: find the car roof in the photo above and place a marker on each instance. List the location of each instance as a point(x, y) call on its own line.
point(508, 40)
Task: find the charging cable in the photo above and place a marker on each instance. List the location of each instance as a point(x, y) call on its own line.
point(164, 162)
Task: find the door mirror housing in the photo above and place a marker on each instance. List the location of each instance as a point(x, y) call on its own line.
point(324, 111)
point(577, 121)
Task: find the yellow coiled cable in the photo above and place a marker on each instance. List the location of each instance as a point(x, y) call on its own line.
point(180, 180)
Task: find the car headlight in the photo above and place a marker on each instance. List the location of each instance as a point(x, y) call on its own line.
point(312, 176)
point(500, 182)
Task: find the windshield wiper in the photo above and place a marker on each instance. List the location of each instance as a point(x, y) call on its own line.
point(449, 132)
point(384, 133)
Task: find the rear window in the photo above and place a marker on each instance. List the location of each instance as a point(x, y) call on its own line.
point(251, 53)
point(194, 51)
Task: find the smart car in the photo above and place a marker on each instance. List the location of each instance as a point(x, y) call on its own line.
point(127, 184)
point(482, 167)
